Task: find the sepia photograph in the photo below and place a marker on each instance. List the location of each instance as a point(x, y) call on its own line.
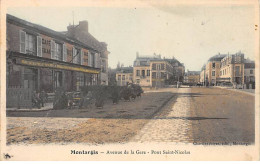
point(130, 80)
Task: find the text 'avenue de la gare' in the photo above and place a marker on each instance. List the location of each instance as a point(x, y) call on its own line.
point(121, 152)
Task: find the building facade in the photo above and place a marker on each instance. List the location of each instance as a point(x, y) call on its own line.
point(81, 33)
point(152, 71)
point(212, 69)
point(124, 76)
point(232, 69)
point(249, 75)
point(192, 77)
point(39, 58)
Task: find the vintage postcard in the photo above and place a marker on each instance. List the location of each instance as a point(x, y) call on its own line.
point(129, 80)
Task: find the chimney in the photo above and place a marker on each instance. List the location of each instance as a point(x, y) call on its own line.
point(71, 31)
point(83, 26)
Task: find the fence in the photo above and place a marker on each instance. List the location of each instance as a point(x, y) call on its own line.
point(18, 98)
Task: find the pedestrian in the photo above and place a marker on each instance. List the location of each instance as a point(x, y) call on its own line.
point(43, 97)
point(36, 100)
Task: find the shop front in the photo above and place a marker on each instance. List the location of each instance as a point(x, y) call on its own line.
point(39, 74)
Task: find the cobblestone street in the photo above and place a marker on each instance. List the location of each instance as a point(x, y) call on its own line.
point(185, 115)
point(170, 124)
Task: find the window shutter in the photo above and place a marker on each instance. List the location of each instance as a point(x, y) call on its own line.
point(96, 60)
point(22, 41)
point(73, 55)
point(64, 52)
point(82, 57)
point(39, 46)
point(89, 59)
point(53, 49)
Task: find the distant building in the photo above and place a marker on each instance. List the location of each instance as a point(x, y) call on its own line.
point(192, 77)
point(153, 71)
point(249, 75)
point(124, 76)
point(178, 70)
point(212, 69)
point(232, 69)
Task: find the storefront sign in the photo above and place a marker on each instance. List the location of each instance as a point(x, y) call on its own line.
point(56, 66)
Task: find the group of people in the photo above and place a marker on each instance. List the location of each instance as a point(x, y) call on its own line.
point(39, 99)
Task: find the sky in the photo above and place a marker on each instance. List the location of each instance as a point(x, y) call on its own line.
point(192, 34)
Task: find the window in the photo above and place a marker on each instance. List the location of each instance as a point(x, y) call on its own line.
point(162, 66)
point(143, 73)
point(137, 72)
point(251, 71)
point(57, 79)
point(158, 66)
point(103, 66)
point(80, 80)
point(213, 66)
point(77, 56)
point(119, 77)
point(237, 69)
point(58, 52)
point(220, 73)
point(148, 72)
point(213, 73)
point(30, 44)
point(153, 75)
point(154, 67)
point(123, 77)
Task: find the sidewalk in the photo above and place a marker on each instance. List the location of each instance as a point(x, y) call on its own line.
point(47, 106)
point(246, 91)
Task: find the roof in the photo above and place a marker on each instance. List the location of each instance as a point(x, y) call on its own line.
point(193, 73)
point(249, 65)
point(217, 57)
point(47, 31)
point(125, 70)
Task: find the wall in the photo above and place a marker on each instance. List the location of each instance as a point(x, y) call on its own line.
point(144, 81)
point(13, 37)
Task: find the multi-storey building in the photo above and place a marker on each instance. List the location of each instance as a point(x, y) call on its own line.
point(81, 33)
point(212, 69)
point(39, 58)
point(232, 69)
point(178, 71)
point(124, 76)
point(249, 75)
point(192, 77)
point(152, 71)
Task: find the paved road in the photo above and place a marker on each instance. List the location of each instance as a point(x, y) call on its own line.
point(203, 116)
point(192, 115)
point(170, 124)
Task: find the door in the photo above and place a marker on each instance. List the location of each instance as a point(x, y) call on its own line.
point(31, 78)
point(57, 79)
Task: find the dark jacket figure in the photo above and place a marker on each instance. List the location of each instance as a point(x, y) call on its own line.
point(43, 97)
point(36, 100)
